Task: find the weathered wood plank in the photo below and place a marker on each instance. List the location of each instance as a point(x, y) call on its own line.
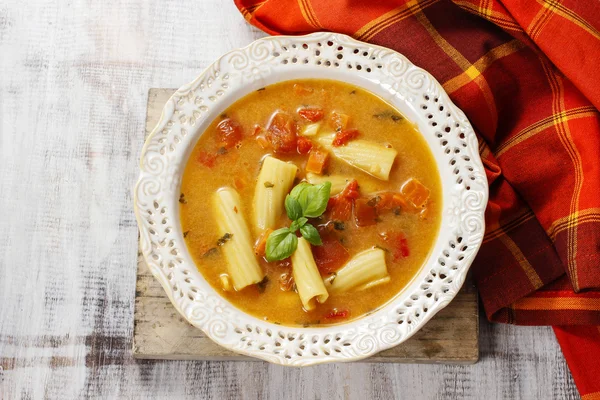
point(161, 333)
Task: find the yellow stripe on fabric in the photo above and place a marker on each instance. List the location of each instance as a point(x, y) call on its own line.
point(302, 4)
point(579, 220)
point(463, 63)
point(482, 64)
point(587, 215)
point(557, 303)
point(543, 124)
point(485, 8)
point(313, 16)
point(516, 252)
point(375, 26)
point(570, 15)
point(539, 21)
point(564, 135)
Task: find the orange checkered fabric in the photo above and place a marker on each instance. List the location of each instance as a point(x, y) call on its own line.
point(527, 74)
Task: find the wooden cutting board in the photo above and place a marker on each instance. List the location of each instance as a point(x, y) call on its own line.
point(160, 332)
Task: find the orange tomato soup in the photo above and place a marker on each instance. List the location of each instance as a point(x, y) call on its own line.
point(400, 215)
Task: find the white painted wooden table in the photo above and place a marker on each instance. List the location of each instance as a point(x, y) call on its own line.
point(74, 77)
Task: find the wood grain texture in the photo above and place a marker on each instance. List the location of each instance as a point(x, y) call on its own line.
point(159, 332)
point(74, 78)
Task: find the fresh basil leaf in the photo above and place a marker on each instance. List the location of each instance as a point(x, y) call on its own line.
point(295, 193)
point(294, 226)
point(314, 199)
point(297, 224)
point(311, 234)
point(281, 244)
point(293, 208)
point(302, 221)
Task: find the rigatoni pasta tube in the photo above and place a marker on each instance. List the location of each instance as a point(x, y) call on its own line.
point(364, 270)
point(242, 264)
point(274, 182)
point(371, 157)
point(306, 275)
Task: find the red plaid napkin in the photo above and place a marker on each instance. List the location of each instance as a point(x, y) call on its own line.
point(526, 73)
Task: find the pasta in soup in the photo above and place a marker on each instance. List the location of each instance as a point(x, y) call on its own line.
point(310, 202)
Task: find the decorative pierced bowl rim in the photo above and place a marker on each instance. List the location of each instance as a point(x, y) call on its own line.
point(382, 71)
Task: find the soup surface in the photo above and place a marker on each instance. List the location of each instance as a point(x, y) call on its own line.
point(396, 220)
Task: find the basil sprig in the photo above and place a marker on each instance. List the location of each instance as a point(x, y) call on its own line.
point(304, 201)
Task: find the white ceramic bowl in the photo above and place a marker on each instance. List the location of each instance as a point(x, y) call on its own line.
point(321, 55)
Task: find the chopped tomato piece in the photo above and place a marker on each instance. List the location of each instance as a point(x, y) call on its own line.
point(302, 90)
point(281, 133)
point(343, 137)
point(385, 201)
point(311, 114)
point(330, 256)
point(338, 120)
point(261, 243)
point(336, 313)
point(304, 145)
point(415, 193)
point(365, 213)
point(399, 244)
point(229, 133)
point(351, 190)
point(207, 159)
point(317, 160)
point(339, 208)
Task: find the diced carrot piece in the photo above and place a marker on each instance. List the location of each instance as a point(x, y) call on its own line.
point(338, 120)
point(302, 90)
point(415, 193)
point(304, 145)
point(317, 159)
point(330, 256)
point(229, 133)
point(207, 159)
point(364, 213)
point(311, 114)
point(281, 133)
point(261, 243)
point(343, 137)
